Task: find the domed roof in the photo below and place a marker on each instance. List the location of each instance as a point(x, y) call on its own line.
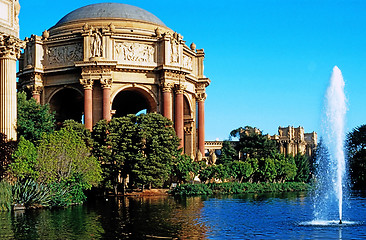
point(110, 10)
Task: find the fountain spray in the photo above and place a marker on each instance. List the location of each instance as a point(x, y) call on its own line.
point(335, 111)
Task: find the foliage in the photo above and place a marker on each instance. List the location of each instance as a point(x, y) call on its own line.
point(241, 170)
point(33, 119)
point(159, 150)
point(237, 188)
point(63, 154)
point(191, 190)
point(228, 153)
point(24, 160)
point(6, 197)
point(303, 168)
point(145, 147)
point(252, 143)
point(356, 151)
point(80, 129)
point(6, 150)
point(30, 193)
point(185, 168)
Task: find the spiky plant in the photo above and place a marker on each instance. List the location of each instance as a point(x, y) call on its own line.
point(30, 193)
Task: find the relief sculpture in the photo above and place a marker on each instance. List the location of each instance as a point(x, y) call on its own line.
point(64, 55)
point(134, 52)
point(187, 62)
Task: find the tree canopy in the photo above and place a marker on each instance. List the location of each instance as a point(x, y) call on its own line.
point(145, 147)
point(356, 151)
point(33, 119)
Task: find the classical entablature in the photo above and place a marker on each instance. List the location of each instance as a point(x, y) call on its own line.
point(111, 59)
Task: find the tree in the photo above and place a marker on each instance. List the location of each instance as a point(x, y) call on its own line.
point(145, 147)
point(241, 170)
point(80, 129)
point(252, 143)
point(228, 153)
point(6, 150)
point(303, 168)
point(24, 160)
point(356, 152)
point(33, 119)
point(185, 168)
point(159, 150)
point(63, 156)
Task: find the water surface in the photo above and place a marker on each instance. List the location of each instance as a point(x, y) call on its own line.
point(248, 216)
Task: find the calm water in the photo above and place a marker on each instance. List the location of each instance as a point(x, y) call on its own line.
point(250, 216)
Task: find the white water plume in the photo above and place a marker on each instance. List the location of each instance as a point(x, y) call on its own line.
point(331, 162)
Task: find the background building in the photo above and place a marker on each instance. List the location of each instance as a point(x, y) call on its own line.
point(112, 59)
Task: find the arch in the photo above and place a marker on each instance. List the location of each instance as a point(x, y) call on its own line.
point(67, 103)
point(131, 100)
point(187, 107)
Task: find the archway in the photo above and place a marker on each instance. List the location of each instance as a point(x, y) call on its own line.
point(67, 104)
point(132, 101)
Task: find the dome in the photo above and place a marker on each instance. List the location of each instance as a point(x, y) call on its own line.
point(110, 10)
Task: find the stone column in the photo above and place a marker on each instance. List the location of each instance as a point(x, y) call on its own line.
point(179, 114)
point(88, 102)
point(9, 52)
point(167, 100)
point(106, 85)
point(201, 122)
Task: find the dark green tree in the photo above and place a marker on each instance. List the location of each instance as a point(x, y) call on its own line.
point(145, 147)
point(356, 152)
point(33, 119)
point(228, 153)
point(303, 168)
point(252, 143)
point(159, 150)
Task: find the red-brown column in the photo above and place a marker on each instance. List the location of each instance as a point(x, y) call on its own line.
point(201, 123)
point(107, 103)
point(167, 101)
point(88, 103)
point(179, 115)
point(106, 85)
point(37, 96)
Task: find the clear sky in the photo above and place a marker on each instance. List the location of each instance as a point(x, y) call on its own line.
point(269, 61)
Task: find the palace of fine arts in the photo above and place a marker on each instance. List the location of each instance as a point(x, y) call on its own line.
point(182, 120)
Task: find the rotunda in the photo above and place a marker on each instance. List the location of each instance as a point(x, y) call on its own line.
point(110, 59)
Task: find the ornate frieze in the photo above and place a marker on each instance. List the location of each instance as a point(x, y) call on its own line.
point(187, 62)
point(173, 76)
point(64, 55)
point(10, 46)
point(132, 52)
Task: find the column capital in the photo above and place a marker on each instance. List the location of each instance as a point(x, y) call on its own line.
point(87, 83)
point(106, 82)
point(201, 96)
point(180, 88)
point(35, 88)
point(10, 47)
point(166, 86)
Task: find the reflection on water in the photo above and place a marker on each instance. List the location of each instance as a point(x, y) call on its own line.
point(247, 216)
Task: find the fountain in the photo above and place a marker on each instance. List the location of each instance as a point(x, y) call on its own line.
point(331, 163)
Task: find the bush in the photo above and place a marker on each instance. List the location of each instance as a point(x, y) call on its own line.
point(237, 188)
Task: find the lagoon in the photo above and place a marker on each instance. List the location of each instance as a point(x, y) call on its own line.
point(246, 216)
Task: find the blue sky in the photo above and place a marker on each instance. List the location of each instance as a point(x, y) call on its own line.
point(269, 61)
